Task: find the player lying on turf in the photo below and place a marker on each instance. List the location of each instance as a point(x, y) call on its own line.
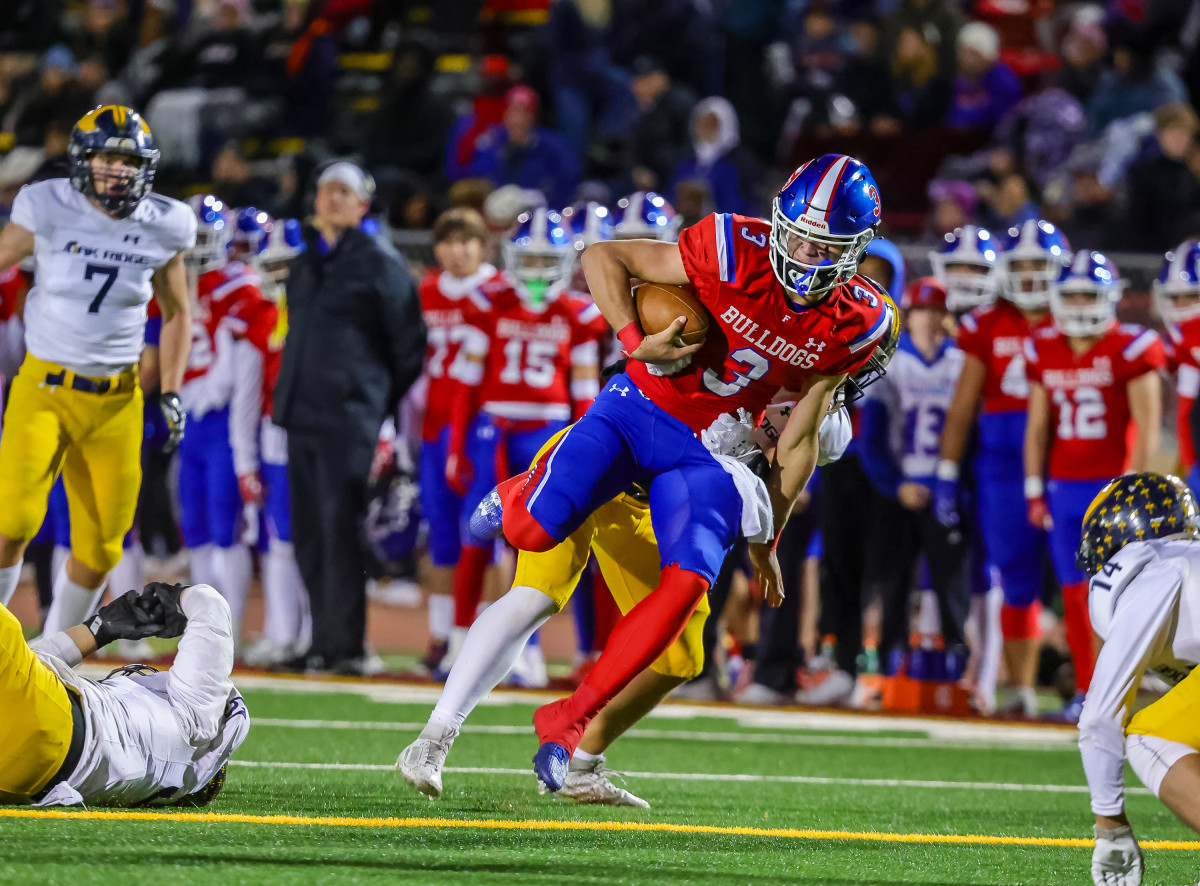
point(621, 536)
point(1141, 547)
point(137, 737)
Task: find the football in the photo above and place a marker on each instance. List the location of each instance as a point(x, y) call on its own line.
point(658, 304)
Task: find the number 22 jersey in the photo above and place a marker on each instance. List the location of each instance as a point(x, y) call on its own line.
point(87, 308)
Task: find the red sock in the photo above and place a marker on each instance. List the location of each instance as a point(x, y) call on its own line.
point(607, 613)
point(468, 583)
point(1078, 627)
point(520, 528)
point(638, 639)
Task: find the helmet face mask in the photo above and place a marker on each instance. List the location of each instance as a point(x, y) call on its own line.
point(1177, 289)
point(213, 234)
point(966, 265)
point(645, 215)
point(813, 278)
point(99, 142)
point(1033, 262)
point(1083, 302)
point(540, 255)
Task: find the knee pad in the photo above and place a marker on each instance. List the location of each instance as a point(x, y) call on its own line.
point(1021, 622)
point(1151, 758)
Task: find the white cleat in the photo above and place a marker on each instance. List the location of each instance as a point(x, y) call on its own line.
point(421, 762)
point(588, 782)
point(834, 691)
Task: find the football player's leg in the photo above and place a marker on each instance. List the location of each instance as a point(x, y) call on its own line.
point(1014, 548)
point(102, 473)
point(1068, 502)
point(696, 511)
point(1163, 747)
point(36, 731)
point(284, 599)
point(193, 506)
point(232, 562)
point(589, 465)
point(31, 450)
point(443, 511)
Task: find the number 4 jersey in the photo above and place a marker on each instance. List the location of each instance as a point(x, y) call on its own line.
point(1089, 402)
point(758, 343)
point(87, 309)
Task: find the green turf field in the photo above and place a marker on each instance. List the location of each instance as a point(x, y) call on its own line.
point(328, 755)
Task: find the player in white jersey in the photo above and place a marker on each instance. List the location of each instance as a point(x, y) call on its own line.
point(103, 245)
point(137, 737)
point(1141, 549)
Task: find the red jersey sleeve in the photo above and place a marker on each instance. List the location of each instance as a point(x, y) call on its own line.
point(874, 318)
point(1144, 353)
point(701, 260)
point(1033, 362)
point(971, 338)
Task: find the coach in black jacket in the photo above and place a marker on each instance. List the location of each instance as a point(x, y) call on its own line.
point(354, 346)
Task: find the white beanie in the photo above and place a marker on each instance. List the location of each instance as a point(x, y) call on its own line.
point(982, 38)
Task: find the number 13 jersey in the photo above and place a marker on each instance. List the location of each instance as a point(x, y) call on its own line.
point(758, 344)
point(1089, 400)
point(92, 283)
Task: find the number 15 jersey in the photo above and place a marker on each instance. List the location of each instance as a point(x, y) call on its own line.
point(92, 283)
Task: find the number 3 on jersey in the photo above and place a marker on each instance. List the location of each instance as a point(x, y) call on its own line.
point(756, 367)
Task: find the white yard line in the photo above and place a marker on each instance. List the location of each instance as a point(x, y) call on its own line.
point(999, 741)
point(1011, 787)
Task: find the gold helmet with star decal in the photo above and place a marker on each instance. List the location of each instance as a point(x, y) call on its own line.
point(1135, 507)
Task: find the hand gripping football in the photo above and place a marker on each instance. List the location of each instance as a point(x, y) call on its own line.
point(658, 304)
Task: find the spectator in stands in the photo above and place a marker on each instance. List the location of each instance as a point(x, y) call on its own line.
point(1007, 203)
point(56, 94)
point(920, 91)
point(1135, 84)
point(1162, 189)
point(54, 151)
point(717, 157)
point(487, 110)
point(409, 130)
point(30, 25)
point(236, 184)
point(952, 206)
point(658, 139)
point(224, 56)
point(866, 78)
point(1083, 49)
point(680, 34)
point(519, 152)
point(153, 55)
point(1042, 130)
point(312, 65)
point(984, 88)
point(937, 21)
point(106, 32)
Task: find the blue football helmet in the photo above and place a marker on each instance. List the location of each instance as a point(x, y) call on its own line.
point(831, 201)
point(539, 254)
point(214, 230)
point(284, 244)
point(393, 521)
point(590, 222)
point(251, 232)
point(1084, 300)
point(113, 129)
point(1177, 289)
point(966, 265)
point(885, 249)
point(646, 215)
point(1042, 251)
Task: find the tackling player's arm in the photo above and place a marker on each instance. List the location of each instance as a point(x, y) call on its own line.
point(16, 243)
point(1145, 406)
point(795, 459)
point(171, 293)
point(1037, 445)
point(610, 266)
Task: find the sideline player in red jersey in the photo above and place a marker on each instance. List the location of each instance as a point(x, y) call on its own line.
point(1088, 377)
point(788, 313)
point(1177, 295)
point(452, 299)
point(222, 393)
point(993, 385)
point(530, 367)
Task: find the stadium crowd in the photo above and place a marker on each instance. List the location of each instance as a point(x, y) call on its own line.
point(1009, 135)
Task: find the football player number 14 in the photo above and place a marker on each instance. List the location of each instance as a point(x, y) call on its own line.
point(109, 275)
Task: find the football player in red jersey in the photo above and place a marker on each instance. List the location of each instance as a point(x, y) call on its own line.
point(222, 393)
point(1177, 294)
point(1088, 377)
point(787, 313)
point(993, 386)
point(453, 298)
point(529, 368)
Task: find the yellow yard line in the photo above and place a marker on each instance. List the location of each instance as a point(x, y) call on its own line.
point(546, 825)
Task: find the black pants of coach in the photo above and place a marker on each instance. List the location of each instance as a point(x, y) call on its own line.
point(899, 538)
point(328, 478)
point(847, 500)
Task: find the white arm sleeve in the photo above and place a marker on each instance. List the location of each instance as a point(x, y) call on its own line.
point(1140, 627)
point(468, 364)
point(198, 684)
point(60, 646)
point(834, 436)
point(245, 406)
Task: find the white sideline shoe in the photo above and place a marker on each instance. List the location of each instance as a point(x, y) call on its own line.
point(834, 690)
point(268, 652)
point(588, 782)
point(421, 762)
